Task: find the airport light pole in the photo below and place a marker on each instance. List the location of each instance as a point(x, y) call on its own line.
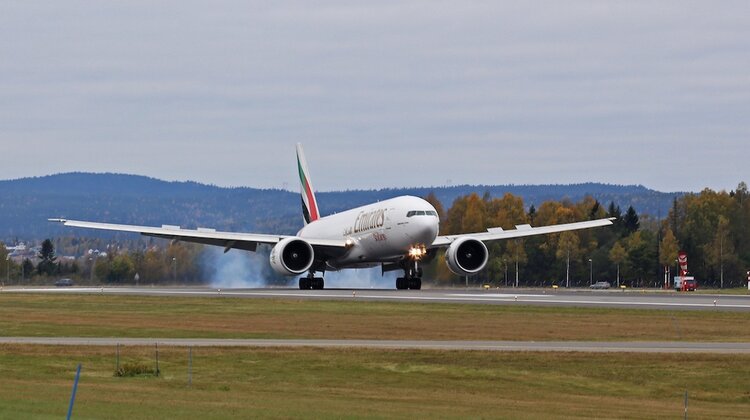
point(91, 273)
point(7, 269)
point(517, 262)
point(505, 262)
point(618, 275)
point(567, 270)
point(721, 261)
point(591, 271)
point(174, 269)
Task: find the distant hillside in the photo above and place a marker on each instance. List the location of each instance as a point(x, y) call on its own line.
point(25, 204)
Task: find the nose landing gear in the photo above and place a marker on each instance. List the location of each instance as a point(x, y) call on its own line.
point(412, 277)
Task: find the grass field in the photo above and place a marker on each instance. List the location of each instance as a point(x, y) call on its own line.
point(732, 291)
point(35, 381)
point(190, 317)
point(313, 383)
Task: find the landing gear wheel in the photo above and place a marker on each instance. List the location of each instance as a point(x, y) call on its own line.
point(412, 277)
point(318, 283)
point(305, 283)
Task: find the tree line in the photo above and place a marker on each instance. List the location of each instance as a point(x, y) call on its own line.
point(637, 250)
point(710, 226)
point(159, 262)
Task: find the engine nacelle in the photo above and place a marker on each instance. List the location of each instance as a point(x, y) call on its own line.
point(466, 256)
point(292, 256)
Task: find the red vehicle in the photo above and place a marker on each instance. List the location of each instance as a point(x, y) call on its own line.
point(689, 285)
point(685, 284)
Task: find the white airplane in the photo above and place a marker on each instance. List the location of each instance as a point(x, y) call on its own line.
point(396, 234)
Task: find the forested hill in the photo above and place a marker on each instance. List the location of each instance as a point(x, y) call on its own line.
point(25, 204)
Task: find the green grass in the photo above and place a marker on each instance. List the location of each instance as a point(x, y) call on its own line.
point(223, 317)
point(35, 381)
point(732, 291)
point(314, 383)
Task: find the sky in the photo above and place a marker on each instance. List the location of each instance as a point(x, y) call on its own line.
point(382, 94)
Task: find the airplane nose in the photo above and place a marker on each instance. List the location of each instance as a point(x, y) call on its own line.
point(434, 228)
point(428, 229)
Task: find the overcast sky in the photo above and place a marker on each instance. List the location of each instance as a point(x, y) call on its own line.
point(381, 93)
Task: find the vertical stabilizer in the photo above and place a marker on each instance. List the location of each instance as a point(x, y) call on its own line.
point(309, 203)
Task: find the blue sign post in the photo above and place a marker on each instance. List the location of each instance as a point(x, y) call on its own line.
point(73, 396)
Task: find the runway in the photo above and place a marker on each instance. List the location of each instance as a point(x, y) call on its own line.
point(665, 300)
point(535, 346)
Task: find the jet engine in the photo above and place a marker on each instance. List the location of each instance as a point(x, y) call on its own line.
point(292, 256)
point(466, 256)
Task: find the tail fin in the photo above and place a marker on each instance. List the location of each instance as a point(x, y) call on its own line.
point(309, 203)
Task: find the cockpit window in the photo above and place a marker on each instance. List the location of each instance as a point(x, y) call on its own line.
point(421, 213)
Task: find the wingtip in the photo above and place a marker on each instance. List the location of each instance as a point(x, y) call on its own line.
point(57, 220)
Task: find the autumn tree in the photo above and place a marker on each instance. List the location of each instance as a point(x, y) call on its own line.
point(739, 224)
point(473, 219)
point(123, 268)
point(432, 199)
point(455, 215)
point(641, 260)
point(181, 260)
point(568, 247)
point(698, 221)
point(151, 268)
point(720, 252)
point(506, 212)
point(617, 255)
point(517, 254)
point(7, 263)
point(668, 249)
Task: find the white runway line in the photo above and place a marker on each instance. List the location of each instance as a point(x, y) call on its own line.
point(535, 346)
point(641, 301)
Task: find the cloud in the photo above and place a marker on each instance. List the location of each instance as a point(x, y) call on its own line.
point(387, 93)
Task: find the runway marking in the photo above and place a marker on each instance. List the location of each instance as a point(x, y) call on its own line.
point(536, 346)
point(495, 295)
point(365, 295)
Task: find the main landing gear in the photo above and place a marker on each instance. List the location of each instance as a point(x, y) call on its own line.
point(311, 282)
point(412, 278)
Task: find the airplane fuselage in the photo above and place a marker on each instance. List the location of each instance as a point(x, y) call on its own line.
point(378, 232)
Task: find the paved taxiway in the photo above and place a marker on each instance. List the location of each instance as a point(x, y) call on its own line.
point(608, 298)
point(537, 346)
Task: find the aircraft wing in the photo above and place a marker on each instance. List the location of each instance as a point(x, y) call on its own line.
point(229, 240)
point(496, 234)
